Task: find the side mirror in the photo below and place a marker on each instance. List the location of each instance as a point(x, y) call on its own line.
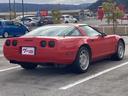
point(103, 34)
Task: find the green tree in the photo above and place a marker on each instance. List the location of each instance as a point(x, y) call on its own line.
point(56, 16)
point(112, 13)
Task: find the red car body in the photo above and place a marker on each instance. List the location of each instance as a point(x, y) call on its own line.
point(64, 51)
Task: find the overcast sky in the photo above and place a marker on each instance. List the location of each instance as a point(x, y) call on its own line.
point(52, 1)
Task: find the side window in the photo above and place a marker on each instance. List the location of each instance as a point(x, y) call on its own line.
point(9, 23)
point(75, 32)
point(71, 17)
point(24, 18)
point(0, 23)
point(17, 24)
point(67, 16)
point(90, 31)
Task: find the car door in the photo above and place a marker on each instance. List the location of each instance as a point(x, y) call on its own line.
point(72, 19)
point(100, 45)
point(20, 29)
point(68, 19)
point(10, 28)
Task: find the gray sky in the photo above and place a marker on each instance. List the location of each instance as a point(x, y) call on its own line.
point(52, 1)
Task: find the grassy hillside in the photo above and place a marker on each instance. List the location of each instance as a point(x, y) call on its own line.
point(4, 7)
point(95, 5)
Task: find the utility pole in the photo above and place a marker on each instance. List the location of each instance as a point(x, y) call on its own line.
point(23, 9)
point(10, 17)
point(14, 9)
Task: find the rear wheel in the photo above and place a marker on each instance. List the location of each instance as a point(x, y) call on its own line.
point(82, 60)
point(5, 35)
point(119, 55)
point(29, 66)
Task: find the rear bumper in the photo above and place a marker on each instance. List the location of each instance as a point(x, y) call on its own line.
point(47, 56)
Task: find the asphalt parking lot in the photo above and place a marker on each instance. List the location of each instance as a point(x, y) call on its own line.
point(104, 78)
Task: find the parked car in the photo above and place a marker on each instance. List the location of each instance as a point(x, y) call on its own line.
point(28, 20)
point(1, 19)
point(31, 21)
point(46, 20)
point(125, 17)
point(11, 28)
point(68, 19)
point(68, 44)
point(18, 18)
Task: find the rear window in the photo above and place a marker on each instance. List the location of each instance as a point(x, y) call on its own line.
point(51, 31)
point(67, 16)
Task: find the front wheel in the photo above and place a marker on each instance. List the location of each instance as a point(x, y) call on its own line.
point(119, 55)
point(28, 66)
point(82, 60)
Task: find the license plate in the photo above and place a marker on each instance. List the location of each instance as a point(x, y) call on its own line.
point(28, 51)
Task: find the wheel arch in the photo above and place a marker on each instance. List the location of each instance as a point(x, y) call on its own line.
point(4, 33)
point(115, 55)
point(76, 64)
point(120, 39)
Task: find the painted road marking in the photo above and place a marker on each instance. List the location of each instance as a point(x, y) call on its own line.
point(11, 68)
point(91, 77)
point(1, 55)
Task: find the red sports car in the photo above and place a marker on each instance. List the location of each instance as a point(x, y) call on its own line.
point(76, 44)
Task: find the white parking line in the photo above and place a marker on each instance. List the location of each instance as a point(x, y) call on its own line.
point(91, 77)
point(11, 68)
point(1, 55)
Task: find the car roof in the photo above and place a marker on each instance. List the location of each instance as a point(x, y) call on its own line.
point(48, 16)
point(5, 20)
point(80, 24)
point(25, 15)
point(9, 21)
point(66, 15)
point(67, 25)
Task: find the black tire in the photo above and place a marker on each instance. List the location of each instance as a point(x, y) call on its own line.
point(119, 55)
point(66, 22)
point(75, 21)
point(29, 66)
point(5, 35)
point(83, 56)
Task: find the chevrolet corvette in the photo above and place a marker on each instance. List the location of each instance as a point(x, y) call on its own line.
point(69, 44)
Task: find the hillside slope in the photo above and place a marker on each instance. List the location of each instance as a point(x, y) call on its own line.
point(95, 5)
point(4, 7)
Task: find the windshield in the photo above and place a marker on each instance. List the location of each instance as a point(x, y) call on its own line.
point(51, 31)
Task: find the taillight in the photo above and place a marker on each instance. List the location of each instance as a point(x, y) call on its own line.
point(14, 43)
point(8, 43)
point(43, 43)
point(51, 43)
